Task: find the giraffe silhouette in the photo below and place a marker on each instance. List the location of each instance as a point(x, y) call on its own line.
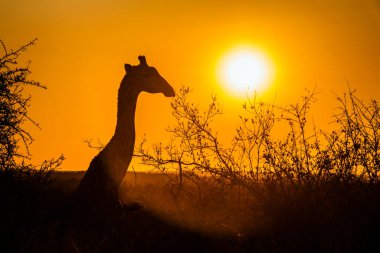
point(107, 170)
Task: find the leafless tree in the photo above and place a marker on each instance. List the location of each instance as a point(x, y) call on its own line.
point(258, 160)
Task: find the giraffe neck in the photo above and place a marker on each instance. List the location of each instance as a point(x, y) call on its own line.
point(119, 151)
point(126, 108)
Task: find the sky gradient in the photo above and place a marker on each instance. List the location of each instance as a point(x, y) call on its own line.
point(83, 45)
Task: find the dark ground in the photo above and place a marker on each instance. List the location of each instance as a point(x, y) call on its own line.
point(36, 216)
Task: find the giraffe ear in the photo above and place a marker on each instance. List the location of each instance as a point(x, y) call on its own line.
point(128, 67)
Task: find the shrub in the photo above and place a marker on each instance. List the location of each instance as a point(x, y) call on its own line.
point(14, 107)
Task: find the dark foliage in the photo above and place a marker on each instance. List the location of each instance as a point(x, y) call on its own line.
point(14, 107)
point(299, 189)
point(24, 188)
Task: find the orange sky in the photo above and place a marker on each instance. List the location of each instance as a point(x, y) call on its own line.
point(83, 45)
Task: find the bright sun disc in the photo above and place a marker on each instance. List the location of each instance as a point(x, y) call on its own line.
point(244, 71)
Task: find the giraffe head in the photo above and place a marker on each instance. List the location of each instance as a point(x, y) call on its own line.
point(147, 78)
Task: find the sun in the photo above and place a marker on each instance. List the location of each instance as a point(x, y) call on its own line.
point(244, 70)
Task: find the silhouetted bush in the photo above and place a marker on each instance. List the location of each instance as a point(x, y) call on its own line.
point(25, 192)
point(14, 107)
point(296, 186)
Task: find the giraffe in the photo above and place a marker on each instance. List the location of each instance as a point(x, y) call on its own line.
point(107, 169)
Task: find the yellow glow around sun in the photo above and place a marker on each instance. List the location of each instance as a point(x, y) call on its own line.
point(244, 70)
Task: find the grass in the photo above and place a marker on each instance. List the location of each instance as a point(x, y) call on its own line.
point(334, 217)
